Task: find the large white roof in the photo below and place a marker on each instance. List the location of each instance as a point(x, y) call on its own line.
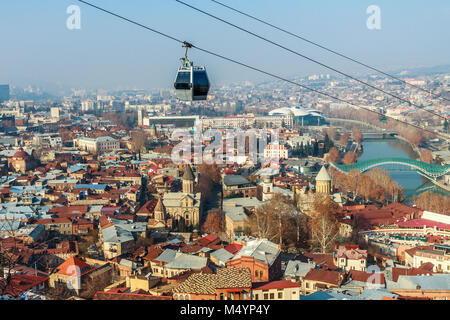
point(296, 111)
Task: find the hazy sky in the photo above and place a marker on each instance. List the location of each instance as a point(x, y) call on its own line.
point(37, 48)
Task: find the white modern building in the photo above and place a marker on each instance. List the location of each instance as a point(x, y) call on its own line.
point(97, 145)
point(47, 140)
point(300, 115)
point(87, 105)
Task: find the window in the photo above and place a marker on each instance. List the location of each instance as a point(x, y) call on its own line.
point(266, 296)
point(256, 273)
point(280, 295)
point(272, 296)
point(183, 81)
point(260, 274)
point(256, 296)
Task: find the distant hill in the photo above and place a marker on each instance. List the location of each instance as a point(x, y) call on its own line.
point(424, 71)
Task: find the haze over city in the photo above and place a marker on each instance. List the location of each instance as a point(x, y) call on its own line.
point(107, 53)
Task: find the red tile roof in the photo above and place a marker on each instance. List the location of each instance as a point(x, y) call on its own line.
point(54, 220)
point(413, 251)
point(148, 207)
point(207, 239)
point(69, 210)
point(281, 284)
point(27, 271)
point(351, 252)
point(324, 260)
point(74, 266)
point(233, 248)
point(21, 154)
point(100, 295)
point(326, 276)
point(426, 268)
point(184, 275)
point(366, 276)
point(191, 248)
point(369, 216)
point(420, 223)
point(21, 283)
point(153, 252)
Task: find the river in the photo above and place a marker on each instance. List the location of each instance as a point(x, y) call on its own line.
point(411, 181)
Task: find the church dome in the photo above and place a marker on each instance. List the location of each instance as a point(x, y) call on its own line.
point(323, 175)
point(20, 154)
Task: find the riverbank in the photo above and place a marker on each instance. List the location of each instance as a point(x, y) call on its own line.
point(441, 185)
point(410, 181)
point(414, 148)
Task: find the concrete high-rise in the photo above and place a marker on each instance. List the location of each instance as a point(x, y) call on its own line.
point(140, 117)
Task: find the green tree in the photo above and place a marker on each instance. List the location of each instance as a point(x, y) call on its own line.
point(316, 149)
point(328, 143)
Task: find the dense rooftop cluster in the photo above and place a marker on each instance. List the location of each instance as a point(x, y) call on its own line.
point(92, 205)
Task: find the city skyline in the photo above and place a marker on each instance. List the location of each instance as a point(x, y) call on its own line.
point(109, 54)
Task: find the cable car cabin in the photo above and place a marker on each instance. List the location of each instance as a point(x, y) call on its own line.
point(191, 82)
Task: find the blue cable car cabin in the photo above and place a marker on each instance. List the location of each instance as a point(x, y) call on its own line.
point(191, 82)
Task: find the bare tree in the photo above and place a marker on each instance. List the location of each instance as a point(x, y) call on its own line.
point(333, 155)
point(433, 202)
point(357, 135)
point(139, 140)
point(350, 158)
point(215, 222)
point(261, 224)
point(344, 138)
point(324, 232)
point(324, 225)
point(8, 257)
point(332, 133)
point(426, 156)
point(277, 219)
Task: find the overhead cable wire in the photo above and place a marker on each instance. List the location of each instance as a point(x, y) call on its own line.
point(259, 70)
point(330, 50)
point(310, 59)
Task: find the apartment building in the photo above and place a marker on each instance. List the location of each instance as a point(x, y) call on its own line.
point(97, 145)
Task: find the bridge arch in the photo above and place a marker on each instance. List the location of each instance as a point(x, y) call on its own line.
point(431, 171)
